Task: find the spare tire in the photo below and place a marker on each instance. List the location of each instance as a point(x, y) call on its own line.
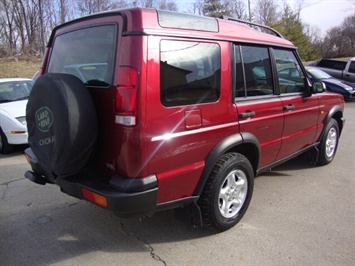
point(62, 124)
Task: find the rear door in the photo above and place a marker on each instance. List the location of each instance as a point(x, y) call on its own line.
point(89, 53)
point(189, 109)
point(260, 109)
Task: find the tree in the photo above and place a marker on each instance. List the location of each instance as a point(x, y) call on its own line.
point(215, 8)
point(265, 12)
point(168, 5)
point(196, 8)
point(340, 41)
point(237, 9)
point(292, 29)
point(349, 35)
point(7, 28)
point(26, 24)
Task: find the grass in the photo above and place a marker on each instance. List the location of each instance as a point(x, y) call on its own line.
point(18, 68)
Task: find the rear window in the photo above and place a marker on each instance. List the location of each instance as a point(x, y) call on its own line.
point(87, 53)
point(189, 72)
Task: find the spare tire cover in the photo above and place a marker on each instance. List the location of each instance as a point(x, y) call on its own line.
point(61, 123)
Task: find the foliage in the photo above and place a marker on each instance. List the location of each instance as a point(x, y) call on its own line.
point(215, 8)
point(265, 12)
point(339, 41)
point(292, 29)
point(25, 25)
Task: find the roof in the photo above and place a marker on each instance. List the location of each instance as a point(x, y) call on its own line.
point(147, 21)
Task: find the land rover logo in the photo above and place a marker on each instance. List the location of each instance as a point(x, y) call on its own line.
point(44, 119)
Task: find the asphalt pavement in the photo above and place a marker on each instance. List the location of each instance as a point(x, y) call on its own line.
point(299, 215)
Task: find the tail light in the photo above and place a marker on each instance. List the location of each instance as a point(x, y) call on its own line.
point(126, 96)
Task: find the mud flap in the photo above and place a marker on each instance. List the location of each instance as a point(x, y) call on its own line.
point(190, 214)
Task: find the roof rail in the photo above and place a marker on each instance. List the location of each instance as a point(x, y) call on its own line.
point(254, 24)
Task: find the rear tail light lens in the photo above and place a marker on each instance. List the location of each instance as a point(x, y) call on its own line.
point(126, 96)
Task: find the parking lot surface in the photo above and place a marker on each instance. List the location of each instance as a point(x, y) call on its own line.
point(299, 215)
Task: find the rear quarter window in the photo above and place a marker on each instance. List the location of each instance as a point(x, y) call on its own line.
point(87, 53)
point(189, 72)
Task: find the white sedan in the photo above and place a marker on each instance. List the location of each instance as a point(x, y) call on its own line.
point(14, 93)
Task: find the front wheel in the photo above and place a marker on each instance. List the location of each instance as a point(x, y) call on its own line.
point(329, 143)
point(5, 147)
point(227, 192)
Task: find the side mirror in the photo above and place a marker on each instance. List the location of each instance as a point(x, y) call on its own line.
point(318, 87)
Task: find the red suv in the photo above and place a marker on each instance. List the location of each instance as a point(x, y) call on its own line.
point(141, 110)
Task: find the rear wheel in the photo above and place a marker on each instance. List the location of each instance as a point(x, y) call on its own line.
point(228, 192)
point(329, 143)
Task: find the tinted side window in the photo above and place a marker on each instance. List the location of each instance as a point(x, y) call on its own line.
point(253, 71)
point(189, 72)
point(290, 76)
point(87, 53)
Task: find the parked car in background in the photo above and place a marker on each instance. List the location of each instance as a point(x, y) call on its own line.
point(14, 93)
point(345, 88)
point(35, 75)
point(337, 68)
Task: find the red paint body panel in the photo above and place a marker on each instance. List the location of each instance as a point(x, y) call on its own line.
point(267, 125)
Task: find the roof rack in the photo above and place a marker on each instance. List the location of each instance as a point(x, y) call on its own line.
point(254, 24)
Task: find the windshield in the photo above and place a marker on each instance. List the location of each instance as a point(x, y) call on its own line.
point(317, 73)
point(11, 91)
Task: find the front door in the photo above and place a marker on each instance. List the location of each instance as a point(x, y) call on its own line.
point(300, 108)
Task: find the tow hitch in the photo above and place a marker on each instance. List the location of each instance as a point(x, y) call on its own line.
point(36, 178)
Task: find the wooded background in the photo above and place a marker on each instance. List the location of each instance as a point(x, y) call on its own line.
point(25, 25)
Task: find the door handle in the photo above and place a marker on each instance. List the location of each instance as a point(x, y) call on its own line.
point(289, 107)
point(246, 114)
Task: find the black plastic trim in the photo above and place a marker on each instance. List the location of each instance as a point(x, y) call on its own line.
point(177, 203)
point(335, 109)
point(125, 196)
point(221, 148)
point(283, 160)
point(98, 15)
point(124, 204)
point(122, 183)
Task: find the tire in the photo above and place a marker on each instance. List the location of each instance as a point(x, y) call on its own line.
point(227, 193)
point(329, 143)
point(62, 124)
point(5, 147)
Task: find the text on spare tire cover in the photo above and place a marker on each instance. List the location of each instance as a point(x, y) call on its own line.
point(44, 120)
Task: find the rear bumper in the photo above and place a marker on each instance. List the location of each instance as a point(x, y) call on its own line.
point(124, 196)
point(123, 203)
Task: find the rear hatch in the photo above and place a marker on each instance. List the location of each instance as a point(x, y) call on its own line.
point(88, 49)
